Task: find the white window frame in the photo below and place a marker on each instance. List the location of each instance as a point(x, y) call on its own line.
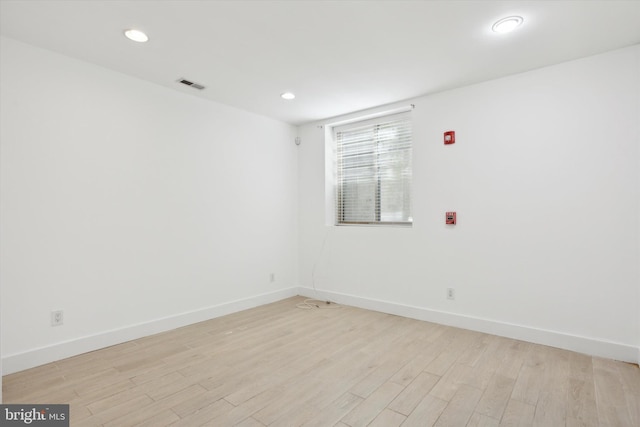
point(379, 118)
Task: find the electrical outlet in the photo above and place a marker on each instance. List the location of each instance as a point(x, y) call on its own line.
point(272, 277)
point(451, 293)
point(57, 318)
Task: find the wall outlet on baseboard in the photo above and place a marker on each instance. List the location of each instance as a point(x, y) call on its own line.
point(451, 293)
point(57, 318)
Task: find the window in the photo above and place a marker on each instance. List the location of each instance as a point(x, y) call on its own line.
point(374, 171)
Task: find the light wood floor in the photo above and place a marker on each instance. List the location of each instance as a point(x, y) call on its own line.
point(278, 365)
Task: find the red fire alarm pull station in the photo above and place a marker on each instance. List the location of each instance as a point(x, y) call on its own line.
point(451, 218)
point(449, 137)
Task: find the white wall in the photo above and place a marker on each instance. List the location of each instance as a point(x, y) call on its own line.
point(131, 207)
point(638, 194)
point(544, 178)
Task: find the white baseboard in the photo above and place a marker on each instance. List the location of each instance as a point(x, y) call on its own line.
point(40, 356)
point(580, 344)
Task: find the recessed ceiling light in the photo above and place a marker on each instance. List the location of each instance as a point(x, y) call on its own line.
point(288, 96)
point(136, 36)
point(508, 24)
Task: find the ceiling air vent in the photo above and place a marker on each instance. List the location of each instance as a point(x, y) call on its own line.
point(192, 84)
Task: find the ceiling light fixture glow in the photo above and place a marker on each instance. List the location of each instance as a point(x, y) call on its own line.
point(288, 96)
point(136, 36)
point(508, 24)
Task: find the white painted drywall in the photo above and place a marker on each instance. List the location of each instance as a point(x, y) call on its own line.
point(124, 202)
point(544, 178)
point(638, 195)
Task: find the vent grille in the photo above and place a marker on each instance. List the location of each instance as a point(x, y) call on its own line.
point(190, 83)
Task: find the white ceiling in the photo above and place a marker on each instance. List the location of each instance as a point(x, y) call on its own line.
point(336, 56)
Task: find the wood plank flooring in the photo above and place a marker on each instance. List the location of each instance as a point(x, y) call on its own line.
point(278, 365)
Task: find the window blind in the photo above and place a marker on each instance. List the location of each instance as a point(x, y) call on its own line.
point(374, 171)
